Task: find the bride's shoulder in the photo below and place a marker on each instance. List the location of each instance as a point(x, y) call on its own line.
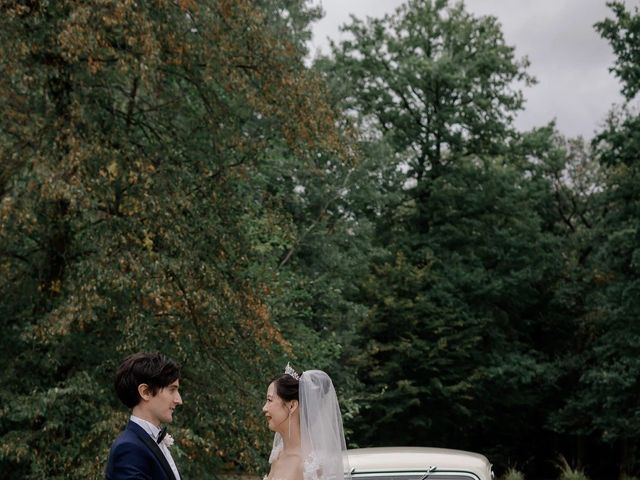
point(290, 461)
point(288, 466)
point(286, 457)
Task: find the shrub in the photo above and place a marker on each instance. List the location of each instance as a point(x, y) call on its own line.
point(569, 473)
point(513, 474)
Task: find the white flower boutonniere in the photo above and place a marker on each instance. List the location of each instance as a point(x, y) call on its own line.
point(167, 441)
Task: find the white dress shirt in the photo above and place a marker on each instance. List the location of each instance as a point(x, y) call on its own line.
point(153, 432)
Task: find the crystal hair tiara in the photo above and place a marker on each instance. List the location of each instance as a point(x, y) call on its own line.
point(290, 371)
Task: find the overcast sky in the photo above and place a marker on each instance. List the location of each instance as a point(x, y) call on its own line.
point(568, 58)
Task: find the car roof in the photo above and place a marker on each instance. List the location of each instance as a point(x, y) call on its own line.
point(417, 459)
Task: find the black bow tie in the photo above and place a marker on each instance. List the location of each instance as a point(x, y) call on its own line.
point(162, 434)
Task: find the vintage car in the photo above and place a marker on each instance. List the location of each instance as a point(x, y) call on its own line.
point(417, 463)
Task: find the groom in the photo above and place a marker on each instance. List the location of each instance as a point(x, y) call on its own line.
point(148, 384)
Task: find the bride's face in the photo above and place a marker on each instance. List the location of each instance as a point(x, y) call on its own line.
point(275, 410)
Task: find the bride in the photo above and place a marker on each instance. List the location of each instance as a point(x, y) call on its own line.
point(303, 412)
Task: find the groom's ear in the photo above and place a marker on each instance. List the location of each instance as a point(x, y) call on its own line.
point(144, 391)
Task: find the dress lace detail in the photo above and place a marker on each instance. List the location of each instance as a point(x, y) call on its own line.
point(311, 468)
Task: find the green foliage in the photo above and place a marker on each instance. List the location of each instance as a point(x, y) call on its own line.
point(135, 215)
point(468, 250)
point(433, 79)
point(621, 32)
point(569, 473)
point(513, 474)
point(604, 402)
point(173, 177)
point(483, 241)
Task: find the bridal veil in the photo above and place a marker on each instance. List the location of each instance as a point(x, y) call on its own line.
point(321, 433)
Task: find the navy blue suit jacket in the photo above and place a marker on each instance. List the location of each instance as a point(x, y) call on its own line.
point(135, 455)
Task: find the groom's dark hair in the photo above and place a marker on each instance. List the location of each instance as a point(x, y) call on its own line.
point(155, 369)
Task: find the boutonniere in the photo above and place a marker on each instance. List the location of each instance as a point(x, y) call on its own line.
point(164, 438)
point(167, 440)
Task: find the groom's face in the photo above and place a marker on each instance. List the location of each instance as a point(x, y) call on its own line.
point(163, 403)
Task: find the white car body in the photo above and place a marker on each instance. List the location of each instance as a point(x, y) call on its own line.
point(417, 463)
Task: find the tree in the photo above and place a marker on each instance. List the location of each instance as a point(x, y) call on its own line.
point(621, 33)
point(604, 403)
point(133, 217)
point(436, 81)
point(473, 235)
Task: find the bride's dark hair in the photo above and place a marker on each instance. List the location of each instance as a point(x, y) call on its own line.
point(286, 387)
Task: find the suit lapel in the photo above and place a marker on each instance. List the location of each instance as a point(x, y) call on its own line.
point(153, 446)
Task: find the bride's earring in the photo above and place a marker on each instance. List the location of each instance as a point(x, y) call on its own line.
point(289, 422)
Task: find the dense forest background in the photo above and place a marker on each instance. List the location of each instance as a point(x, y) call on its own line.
point(175, 177)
